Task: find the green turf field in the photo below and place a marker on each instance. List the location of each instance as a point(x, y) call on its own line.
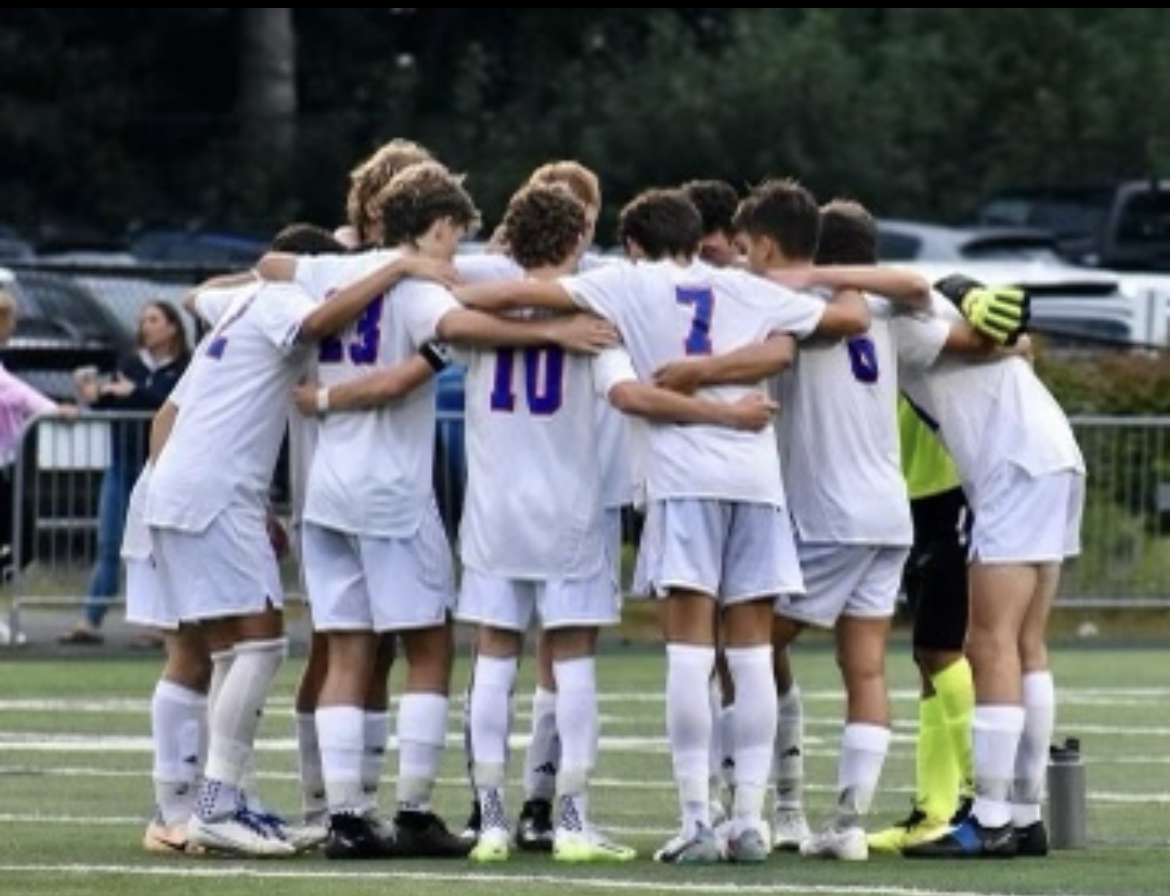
point(75, 791)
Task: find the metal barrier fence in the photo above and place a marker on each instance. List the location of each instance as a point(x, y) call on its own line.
point(61, 466)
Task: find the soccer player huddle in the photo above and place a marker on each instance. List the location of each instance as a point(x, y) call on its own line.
point(747, 378)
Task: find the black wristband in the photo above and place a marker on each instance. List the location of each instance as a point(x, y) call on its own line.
point(956, 286)
point(435, 353)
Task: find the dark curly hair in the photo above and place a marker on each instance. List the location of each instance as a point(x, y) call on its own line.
point(543, 224)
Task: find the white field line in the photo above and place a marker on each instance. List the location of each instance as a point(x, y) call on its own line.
point(500, 881)
point(281, 703)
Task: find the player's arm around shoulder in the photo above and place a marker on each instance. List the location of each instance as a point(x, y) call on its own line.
point(847, 313)
point(370, 390)
point(748, 364)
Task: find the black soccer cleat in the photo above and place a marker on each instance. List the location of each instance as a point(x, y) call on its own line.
point(356, 837)
point(534, 828)
point(970, 840)
point(423, 835)
point(1032, 839)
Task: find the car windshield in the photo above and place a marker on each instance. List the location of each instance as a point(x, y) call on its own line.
point(1066, 212)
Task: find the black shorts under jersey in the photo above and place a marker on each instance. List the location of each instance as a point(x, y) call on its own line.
point(935, 577)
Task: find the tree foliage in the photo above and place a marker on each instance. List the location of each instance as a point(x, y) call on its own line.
point(116, 115)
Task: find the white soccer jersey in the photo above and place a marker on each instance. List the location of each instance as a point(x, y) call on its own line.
point(986, 413)
point(615, 448)
point(371, 470)
point(226, 438)
point(838, 434)
point(665, 311)
point(533, 506)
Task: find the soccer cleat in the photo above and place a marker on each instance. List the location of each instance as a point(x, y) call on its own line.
point(844, 842)
point(168, 839)
point(789, 829)
point(492, 845)
point(749, 847)
point(1032, 839)
point(969, 840)
point(423, 835)
point(534, 828)
point(242, 834)
point(303, 837)
point(470, 830)
point(356, 837)
point(700, 848)
point(914, 828)
point(588, 846)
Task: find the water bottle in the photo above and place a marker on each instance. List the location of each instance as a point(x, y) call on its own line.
point(1067, 809)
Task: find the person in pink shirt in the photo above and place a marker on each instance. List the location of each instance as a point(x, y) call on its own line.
point(19, 402)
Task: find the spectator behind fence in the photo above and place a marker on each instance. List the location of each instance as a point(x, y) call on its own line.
point(142, 382)
point(19, 403)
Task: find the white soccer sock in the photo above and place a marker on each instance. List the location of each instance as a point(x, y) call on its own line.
point(178, 716)
point(233, 720)
point(995, 738)
point(1039, 693)
point(314, 803)
point(543, 755)
point(788, 754)
point(859, 767)
point(688, 726)
point(719, 751)
point(340, 732)
point(577, 721)
point(725, 738)
point(754, 732)
point(375, 737)
point(491, 697)
point(422, 734)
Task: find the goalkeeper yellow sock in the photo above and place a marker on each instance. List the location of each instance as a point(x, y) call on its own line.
point(955, 690)
point(936, 778)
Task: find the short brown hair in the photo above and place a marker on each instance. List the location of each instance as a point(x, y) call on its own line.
point(848, 234)
point(785, 211)
point(420, 195)
point(663, 222)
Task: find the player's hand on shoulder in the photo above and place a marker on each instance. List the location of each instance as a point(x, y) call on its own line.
point(683, 375)
point(754, 411)
point(582, 332)
point(426, 268)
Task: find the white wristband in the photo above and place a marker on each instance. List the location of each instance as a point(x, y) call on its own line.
point(323, 401)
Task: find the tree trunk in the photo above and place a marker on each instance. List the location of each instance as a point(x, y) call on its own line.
point(268, 92)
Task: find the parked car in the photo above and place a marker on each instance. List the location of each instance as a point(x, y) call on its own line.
point(196, 246)
point(904, 240)
point(1122, 225)
point(61, 326)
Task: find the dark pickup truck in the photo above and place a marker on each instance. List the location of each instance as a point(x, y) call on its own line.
point(1123, 225)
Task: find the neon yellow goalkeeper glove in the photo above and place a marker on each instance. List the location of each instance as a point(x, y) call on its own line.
point(1000, 312)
